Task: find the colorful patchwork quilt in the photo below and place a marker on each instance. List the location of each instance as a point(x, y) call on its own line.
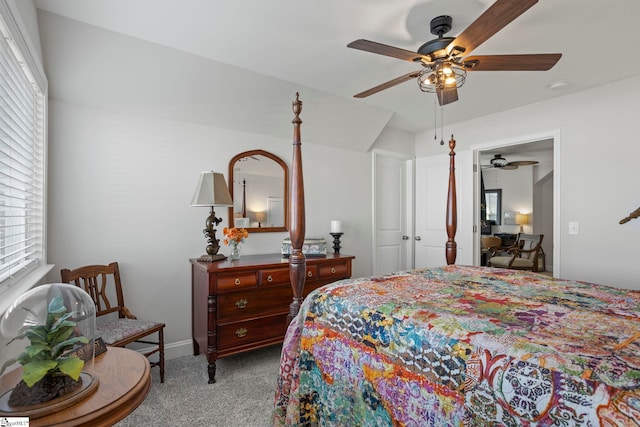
point(462, 346)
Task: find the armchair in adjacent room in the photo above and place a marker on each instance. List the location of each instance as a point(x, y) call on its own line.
point(486, 245)
point(524, 255)
point(115, 324)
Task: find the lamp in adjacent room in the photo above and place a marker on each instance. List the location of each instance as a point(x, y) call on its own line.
point(212, 191)
point(522, 219)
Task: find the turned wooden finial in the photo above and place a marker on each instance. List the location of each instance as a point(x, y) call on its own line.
point(297, 109)
point(632, 215)
point(297, 121)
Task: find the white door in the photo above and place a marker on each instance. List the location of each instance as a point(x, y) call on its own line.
point(392, 220)
point(275, 211)
point(432, 181)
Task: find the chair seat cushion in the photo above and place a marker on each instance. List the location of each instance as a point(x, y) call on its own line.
point(503, 262)
point(113, 331)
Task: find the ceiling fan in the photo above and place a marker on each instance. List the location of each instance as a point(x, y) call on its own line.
point(499, 162)
point(444, 66)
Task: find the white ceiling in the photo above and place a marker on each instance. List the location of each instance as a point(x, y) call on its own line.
point(289, 45)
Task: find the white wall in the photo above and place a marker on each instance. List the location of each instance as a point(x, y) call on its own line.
point(120, 188)
point(28, 16)
point(517, 194)
point(599, 155)
point(395, 140)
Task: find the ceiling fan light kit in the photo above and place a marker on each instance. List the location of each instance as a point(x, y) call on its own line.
point(445, 69)
point(498, 161)
point(443, 76)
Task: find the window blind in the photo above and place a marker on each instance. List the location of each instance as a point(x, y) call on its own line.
point(21, 165)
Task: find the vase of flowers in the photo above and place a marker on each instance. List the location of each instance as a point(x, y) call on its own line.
point(234, 237)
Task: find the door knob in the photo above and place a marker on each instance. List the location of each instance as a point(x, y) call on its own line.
point(405, 237)
point(418, 238)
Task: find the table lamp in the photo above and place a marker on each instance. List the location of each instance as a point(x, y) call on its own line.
point(522, 219)
point(212, 191)
point(260, 217)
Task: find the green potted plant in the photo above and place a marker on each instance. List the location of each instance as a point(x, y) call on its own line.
point(48, 371)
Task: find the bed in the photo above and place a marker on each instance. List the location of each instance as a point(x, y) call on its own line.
point(458, 346)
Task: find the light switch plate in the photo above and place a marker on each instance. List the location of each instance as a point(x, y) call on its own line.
point(574, 228)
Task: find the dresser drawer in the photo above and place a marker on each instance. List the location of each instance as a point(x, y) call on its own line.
point(242, 333)
point(275, 276)
point(256, 302)
point(236, 280)
point(329, 271)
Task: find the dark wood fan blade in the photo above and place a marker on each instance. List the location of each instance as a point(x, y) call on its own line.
point(523, 163)
point(447, 95)
point(490, 22)
point(383, 49)
point(527, 62)
point(387, 85)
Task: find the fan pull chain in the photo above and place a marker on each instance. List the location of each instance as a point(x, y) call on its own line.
point(441, 126)
point(435, 120)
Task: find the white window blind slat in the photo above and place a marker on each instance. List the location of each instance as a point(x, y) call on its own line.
point(21, 164)
point(22, 144)
point(12, 255)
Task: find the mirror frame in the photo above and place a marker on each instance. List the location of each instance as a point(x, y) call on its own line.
point(285, 169)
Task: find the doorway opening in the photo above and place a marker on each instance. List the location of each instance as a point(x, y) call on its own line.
point(529, 192)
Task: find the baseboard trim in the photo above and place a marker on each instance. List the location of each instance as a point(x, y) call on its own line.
point(178, 349)
point(171, 350)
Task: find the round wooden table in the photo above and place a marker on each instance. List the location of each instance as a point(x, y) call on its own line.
point(124, 381)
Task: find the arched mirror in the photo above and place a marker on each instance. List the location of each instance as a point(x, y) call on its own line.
point(258, 185)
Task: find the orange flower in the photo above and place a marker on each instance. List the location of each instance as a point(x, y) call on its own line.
point(234, 234)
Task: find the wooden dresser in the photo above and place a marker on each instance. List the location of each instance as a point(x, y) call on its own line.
point(243, 305)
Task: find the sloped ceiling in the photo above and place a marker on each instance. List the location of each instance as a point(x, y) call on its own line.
point(103, 69)
point(238, 64)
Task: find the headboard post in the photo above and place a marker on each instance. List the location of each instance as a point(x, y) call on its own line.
point(452, 209)
point(297, 260)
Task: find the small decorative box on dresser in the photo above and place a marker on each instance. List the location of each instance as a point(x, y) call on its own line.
point(242, 305)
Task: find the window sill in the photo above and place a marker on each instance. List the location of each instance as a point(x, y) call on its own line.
point(32, 279)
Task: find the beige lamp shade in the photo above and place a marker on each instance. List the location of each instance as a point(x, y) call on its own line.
point(212, 190)
point(522, 219)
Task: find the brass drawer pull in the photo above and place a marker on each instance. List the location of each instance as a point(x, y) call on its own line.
point(333, 270)
point(241, 332)
point(269, 279)
point(241, 303)
point(309, 274)
point(237, 281)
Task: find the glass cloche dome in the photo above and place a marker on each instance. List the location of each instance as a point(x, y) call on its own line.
point(48, 332)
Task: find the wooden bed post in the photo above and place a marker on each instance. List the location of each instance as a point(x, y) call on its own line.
point(297, 260)
point(452, 209)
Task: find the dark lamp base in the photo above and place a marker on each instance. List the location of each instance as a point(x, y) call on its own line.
point(212, 258)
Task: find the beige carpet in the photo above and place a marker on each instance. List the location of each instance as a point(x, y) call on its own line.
point(243, 394)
